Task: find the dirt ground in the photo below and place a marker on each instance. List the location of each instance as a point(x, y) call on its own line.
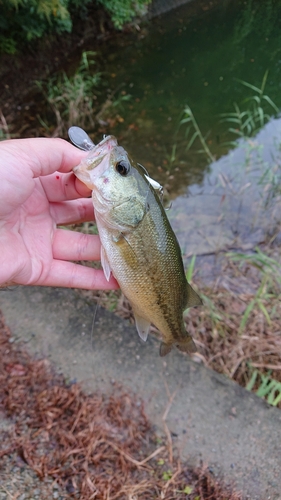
point(207, 418)
point(58, 442)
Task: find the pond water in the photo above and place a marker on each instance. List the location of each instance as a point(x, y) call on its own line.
point(193, 55)
point(196, 55)
point(238, 204)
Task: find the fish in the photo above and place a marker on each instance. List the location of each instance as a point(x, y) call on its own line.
point(138, 245)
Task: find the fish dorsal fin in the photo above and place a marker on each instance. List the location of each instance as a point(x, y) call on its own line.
point(105, 264)
point(142, 326)
point(193, 298)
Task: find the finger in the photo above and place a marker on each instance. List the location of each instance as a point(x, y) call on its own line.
point(71, 245)
point(73, 212)
point(43, 155)
point(69, 275)
point(60, 187)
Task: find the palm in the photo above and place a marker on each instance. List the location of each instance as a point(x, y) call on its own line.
point(33, 249)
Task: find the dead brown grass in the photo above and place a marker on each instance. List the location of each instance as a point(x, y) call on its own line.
point(95, 446)
point(227, 347)
point(225, 350)
point(216, 327)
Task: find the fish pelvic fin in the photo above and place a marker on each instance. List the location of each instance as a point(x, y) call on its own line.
point(142, 325)
point(105, 264)
point(165, 349)
point(193, 298)
point(187, 345)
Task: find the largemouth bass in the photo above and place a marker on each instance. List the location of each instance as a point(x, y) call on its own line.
point(138, 245)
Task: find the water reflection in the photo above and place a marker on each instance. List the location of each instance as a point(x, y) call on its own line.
point(238, 204)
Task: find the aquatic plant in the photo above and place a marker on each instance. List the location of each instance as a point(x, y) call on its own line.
point(253, 113)
point(256, 17)
point(192, 125)
point(245, 121)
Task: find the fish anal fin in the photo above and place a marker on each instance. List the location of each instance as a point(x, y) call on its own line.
point(193, 298)
point(142, 326)
point(105, 264)
point(165, 349)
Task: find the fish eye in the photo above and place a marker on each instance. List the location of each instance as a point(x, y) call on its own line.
point(123, 167)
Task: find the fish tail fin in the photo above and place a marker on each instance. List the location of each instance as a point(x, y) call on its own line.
point(187, 345)
point(165, 349)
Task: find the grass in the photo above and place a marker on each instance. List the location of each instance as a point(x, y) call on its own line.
point(192, 126)
point(77, 99)
point(237, 333)
point(4, 128)
point(270, 285)
point(190, 269)
point(73, 98)
point(253, 113)
point(270, 179)
point(265, 387)
point(245, 121)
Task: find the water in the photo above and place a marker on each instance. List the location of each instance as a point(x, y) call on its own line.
point(196, 55)
point(238, 204)
point(192, 55)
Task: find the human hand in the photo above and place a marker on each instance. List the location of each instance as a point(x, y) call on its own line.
point(38, 192)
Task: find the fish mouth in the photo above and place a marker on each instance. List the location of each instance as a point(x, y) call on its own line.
point(84, 170)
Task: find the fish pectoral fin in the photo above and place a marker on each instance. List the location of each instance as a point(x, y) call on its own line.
point(165, 349)
point(105, 264)
point(142, 326)
point(193, 298)
point(187, 345)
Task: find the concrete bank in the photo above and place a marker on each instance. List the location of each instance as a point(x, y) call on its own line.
point(211, 418)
